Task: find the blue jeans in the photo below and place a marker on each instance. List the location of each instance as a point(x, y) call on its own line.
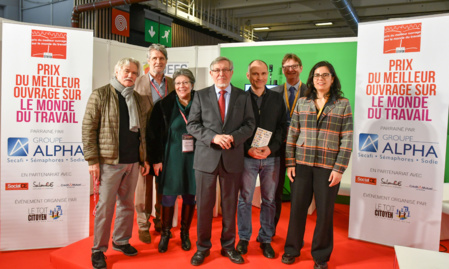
point(268, 170)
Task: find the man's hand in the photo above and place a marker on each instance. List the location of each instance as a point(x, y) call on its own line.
point(334, 178)
point(145, 169)
point(94, 171)
point(259, 153)
point(224, 141)
point(291, 173)
point(157, 167)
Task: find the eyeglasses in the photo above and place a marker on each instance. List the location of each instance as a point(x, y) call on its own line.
point(217, 71)
point(324, 75)
point(293, 66)
point(183, 83)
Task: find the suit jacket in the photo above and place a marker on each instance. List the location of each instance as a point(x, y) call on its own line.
point(326, 142)
point(205, 122)
point(280, 89)
point(143, 87)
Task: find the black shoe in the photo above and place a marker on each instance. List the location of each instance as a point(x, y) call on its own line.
point(127, 249)
point(242, 247)
point(267, 250)
point(233, 255)
point(186, 219)
point(167, 220)
point(185, 242)
point(320, 265)
point(198, 257)
point(98, 260)
point(163, 244)
point(288, 258)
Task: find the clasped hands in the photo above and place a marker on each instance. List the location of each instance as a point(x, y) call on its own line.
point(259, 153)
point(223, 140)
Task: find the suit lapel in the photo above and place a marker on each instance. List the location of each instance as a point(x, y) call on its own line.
point(150, 93)
point(214, 101)
point(328, 108)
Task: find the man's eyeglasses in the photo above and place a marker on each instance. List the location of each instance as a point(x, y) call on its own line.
point(324, 75)
point(184, 83)
point(217, 71)
point(293, 66)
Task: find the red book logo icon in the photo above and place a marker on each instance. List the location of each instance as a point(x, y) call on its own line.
point(402, 38)
point(48, 44)
point(120, 22)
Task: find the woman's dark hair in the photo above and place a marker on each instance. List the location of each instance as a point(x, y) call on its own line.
point(335, 90)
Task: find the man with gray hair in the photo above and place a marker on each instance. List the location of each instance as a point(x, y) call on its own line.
point(221, 119)
point(152, 86)
point(113, 134)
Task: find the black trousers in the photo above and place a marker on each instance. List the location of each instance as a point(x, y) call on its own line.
point(205, 200)
point(308, 181)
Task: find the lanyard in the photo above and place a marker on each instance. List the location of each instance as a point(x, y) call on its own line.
point(182, 114)
point(321, 110)
point(154, 86)
point(290, 109)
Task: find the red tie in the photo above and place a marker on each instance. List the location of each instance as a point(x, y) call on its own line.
point(222, 104)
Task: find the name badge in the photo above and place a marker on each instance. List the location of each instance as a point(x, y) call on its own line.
point(187, 143)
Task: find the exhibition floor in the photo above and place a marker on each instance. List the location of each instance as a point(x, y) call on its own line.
point(348, 253)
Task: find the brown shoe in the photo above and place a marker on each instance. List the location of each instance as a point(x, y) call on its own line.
point(144, 236)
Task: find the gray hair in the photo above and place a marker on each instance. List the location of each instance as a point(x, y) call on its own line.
point(157, 47)
point(126, 61)
point(184, 72)
point(219, 59)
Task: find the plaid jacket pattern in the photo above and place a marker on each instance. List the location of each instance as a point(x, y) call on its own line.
point(326, 142)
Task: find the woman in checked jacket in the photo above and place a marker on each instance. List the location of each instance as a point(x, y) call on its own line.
point(319, 146)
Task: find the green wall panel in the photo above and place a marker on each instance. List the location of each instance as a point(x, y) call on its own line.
point(341, 55)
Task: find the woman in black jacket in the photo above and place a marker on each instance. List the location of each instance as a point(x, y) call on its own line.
point(170, 150)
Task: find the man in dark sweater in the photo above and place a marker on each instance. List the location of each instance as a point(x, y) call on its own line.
point(261, 159)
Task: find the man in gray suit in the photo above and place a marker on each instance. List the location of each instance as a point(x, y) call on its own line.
point(221, 120)
point(292, 90)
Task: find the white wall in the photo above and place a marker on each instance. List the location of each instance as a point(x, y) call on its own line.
point(107, 53)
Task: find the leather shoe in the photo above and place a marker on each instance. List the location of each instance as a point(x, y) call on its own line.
point(242, 247)
point(144, 236)
point(198, 257)
point(320, 265)
point(267, 250)
point(288, 258)
point(233, 255)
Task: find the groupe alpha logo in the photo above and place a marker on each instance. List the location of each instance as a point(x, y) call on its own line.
point(44, 147)
point(368, 142)
point(18, 146)
point(16, 186)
